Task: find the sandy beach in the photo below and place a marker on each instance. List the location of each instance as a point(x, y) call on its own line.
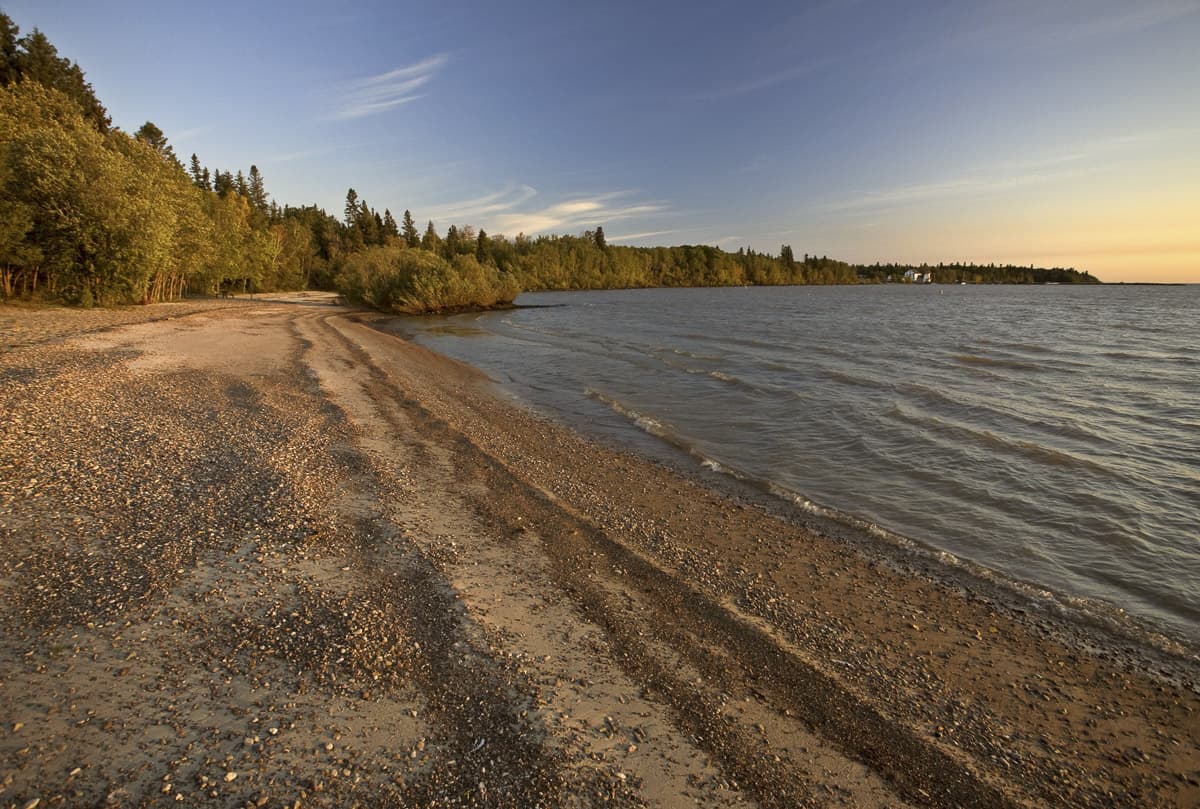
point(262, 553)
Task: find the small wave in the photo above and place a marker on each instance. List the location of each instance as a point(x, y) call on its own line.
point(857, 381)
point(682, 352)
point(661, 431)
point(996, 362)
point(643, 422)
point(931, 395)
point(1050, 456)
point(736, 381)
point(1028, 348)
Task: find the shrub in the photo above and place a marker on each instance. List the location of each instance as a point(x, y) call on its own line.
point(411, 281)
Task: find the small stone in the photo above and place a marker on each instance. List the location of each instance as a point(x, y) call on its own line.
point(33, 804)
point(230, 776)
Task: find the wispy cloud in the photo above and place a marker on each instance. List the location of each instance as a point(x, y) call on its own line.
point(972, 184)
point(757, 83)
point(1035, 24)
point(477, 209)
point(375, 94)
point(184, 135)
point(575, 213)
point(510, 211)
point(630, 237)
point(1089, 157)
point(303, 154)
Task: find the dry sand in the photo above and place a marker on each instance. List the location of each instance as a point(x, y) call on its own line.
point(263, 554)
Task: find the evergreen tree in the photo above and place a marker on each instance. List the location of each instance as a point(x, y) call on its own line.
point(430, 241)
point(390, 228)
point(451, 245)
point(239, 185)
point(10, 69)
point(223, 183)
point(599, 238)
point(410, 230)
point(153, 137)
point(257, 191)
point(206, 180)
point(785, 255)
point(196, 172)
point(366, 224)
point(351, 210)
point(379, 235)
point(39, 61)
point(481, 247)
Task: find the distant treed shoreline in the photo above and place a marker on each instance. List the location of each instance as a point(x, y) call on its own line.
point(91, 215)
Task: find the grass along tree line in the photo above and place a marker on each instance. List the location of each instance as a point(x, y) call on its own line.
point(92, 215)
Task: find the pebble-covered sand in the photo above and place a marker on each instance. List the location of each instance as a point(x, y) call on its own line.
point(259, 553)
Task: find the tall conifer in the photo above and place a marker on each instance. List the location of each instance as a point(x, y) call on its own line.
point(390, 228)
point(430, 241)
point(410, 230)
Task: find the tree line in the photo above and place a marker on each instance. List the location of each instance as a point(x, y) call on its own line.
point(90, 214)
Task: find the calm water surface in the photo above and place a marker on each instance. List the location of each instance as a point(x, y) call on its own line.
point(1050, 434)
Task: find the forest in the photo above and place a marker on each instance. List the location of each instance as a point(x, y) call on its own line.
point(91, 215)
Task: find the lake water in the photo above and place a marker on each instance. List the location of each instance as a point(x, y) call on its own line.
point(1050, 434)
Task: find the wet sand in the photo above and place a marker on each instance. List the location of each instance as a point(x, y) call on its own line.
point(261, 553)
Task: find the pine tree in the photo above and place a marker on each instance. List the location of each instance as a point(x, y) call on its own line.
point(366, 224)
point(389, 224)
point(410, 230)
point(196, 172)
point(599, 237)
point(481, 247)
point(785, 255)
point(430, 241)
point(206, 180)
point(39, 61)
point(351, 210)
point(10, 69)
point(257, 191)
point(450, 248)
point(239, 185)
point(153, 137)
point(219, 185)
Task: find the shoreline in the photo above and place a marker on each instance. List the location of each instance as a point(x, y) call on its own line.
point(1168, 636)
point(360, 545)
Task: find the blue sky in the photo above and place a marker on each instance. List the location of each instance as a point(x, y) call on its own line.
point(1055, 133)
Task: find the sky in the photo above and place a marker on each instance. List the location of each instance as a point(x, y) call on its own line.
point(1047, 132)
